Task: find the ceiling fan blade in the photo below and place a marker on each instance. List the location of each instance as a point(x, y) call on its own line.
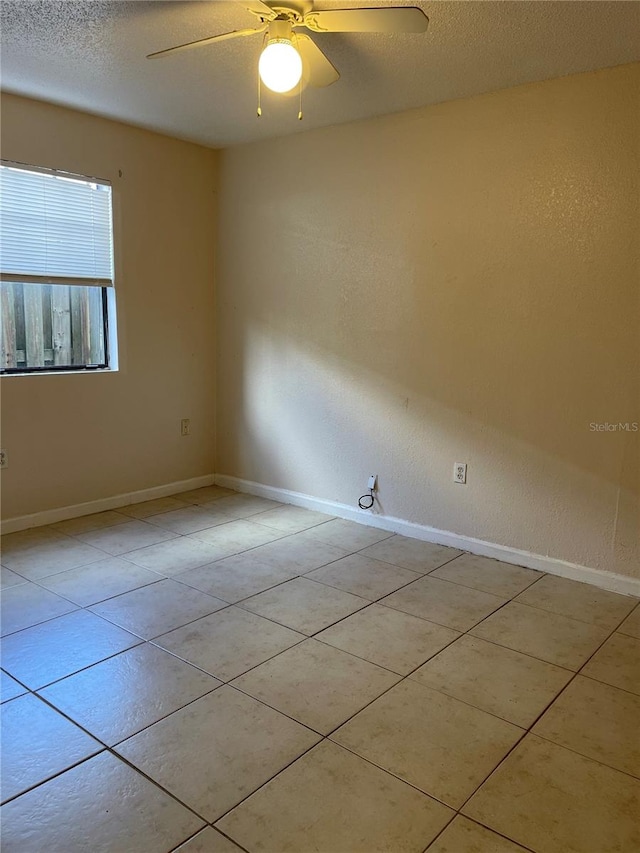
point(257, 7)
point(210, 40)
point(396, 19)
point(316, 67)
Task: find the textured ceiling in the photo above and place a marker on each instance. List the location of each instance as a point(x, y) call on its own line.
point(91, 55)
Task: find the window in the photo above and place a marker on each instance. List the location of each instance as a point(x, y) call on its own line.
point(56, 271)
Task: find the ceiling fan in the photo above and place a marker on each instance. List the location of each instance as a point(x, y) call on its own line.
point(289, 56)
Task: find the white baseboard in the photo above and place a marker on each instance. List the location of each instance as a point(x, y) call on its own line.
point(597, 577)
point(605, 580)
point(50, 516)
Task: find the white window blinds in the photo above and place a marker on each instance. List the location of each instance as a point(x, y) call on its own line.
point(54, 228)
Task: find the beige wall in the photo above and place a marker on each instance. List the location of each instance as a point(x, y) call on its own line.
point(455, 283)
point(80, 437)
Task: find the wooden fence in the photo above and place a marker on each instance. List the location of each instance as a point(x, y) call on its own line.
point(45, 325)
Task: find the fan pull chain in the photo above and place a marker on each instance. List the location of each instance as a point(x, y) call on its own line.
point(300, 111)
point(259, 111)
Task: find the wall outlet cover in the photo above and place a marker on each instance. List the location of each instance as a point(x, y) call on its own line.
point(460, 472)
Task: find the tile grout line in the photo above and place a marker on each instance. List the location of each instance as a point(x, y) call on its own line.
point(401, 678)
point(97, 737)
point(525, 731)
point(53, 776)
point(228, 682)
point(208, 825)
point(583, 755)
point(111, 751)
point(322, 737)
point(478, 823)
point(529, 732)
point(266, 782)
point(87, 608)
point(82, 669)
point(377, 601)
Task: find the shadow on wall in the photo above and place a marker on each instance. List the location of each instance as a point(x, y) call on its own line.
point(314, 424)
point(452, 284)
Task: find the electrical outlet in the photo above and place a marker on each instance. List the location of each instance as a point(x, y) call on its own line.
point(185, 426)
point(4, 459)
point(460, 472)
point(372, 482)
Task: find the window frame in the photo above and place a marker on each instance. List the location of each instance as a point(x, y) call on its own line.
point(107, 295)
point(72, 368)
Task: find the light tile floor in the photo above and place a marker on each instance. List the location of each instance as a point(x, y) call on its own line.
point(214, 672)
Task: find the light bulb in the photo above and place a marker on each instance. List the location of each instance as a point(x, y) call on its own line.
point(280, 65)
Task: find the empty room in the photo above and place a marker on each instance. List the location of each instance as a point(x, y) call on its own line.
point(320, 448)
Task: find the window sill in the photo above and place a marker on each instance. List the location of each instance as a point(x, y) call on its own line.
point(79, 372)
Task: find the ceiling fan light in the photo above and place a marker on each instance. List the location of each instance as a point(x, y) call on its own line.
point(280, 65)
